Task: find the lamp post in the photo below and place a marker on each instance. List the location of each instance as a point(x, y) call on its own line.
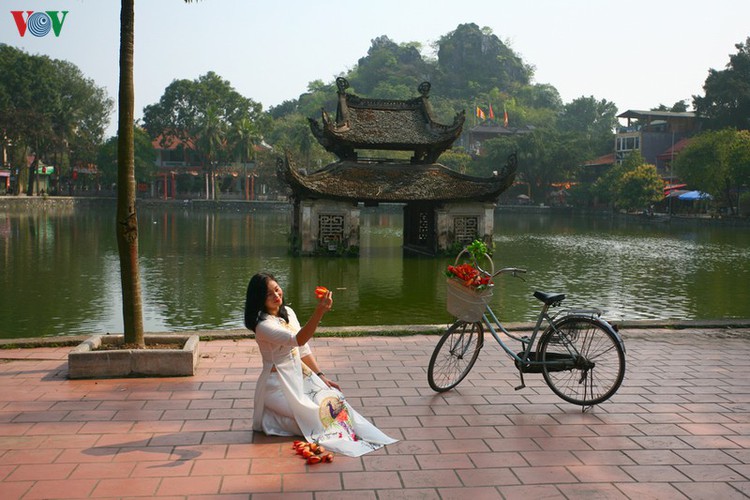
point(671, 176)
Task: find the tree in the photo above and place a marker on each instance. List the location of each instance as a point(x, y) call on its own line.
point(473, 67)
point(126, 227)
point(545, 156)
point(471, 60)
point(678, 107)
point(608, 185)
point(127, 220)
point(390, 70)
point(456, 159)
point(80, 115)
point(211, 142)
point(200, 113)
point(48, 108)
point(143, 159)
point(292, 135)
point(594, 119)
point(639, 188)
point(243, 138)
point(717, 162)
point(727, 99)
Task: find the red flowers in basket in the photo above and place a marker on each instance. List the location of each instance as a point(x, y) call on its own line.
point(469, 276)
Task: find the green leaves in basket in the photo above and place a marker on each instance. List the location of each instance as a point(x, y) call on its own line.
point(477, 249)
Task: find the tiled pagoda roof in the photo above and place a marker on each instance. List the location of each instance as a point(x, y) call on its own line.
point(396, 182)
point(385, 124)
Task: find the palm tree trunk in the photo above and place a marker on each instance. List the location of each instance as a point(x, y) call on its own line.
point(127, 221)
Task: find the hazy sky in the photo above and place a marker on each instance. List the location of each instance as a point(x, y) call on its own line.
point(637, 54)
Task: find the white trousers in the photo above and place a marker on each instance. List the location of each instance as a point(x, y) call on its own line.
point(278, 418)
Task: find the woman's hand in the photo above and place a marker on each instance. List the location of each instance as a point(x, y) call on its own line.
point(325, 303)
point(329, 382)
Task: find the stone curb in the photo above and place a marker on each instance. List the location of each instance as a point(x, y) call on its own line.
point(376, 330)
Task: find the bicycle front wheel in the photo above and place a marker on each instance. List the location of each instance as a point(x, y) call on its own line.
point(584, 360)
point(454, 355)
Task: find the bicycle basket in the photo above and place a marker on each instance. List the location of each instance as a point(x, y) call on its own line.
point(466, 304)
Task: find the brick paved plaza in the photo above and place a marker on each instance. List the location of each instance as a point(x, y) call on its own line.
point(679, 427)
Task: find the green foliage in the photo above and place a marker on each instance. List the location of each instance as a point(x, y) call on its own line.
point(678, 107)
point(292, 134)
point(538, 96)
point(607, 186)
point(389, 70)
point(593, 121)
point(473, 67)
point(639, 188)
point(244, 134)
point(201, 113)
point(50, 108)
point(717, 162)
point(144, 164)
point(456, 159)
point(727, 99)
point(545, 156)
point(477, 249)
point(471, 60)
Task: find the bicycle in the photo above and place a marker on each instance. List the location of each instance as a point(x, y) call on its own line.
point(579, 354)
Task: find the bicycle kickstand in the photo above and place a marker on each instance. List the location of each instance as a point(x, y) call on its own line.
point(523, 384)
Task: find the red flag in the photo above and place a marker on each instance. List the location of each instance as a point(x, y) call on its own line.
point(492, 115)
point(505, 117)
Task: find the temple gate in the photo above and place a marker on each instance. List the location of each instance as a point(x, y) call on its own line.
point(442, 207)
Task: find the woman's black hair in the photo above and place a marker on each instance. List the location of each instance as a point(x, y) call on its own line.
point(255, 300)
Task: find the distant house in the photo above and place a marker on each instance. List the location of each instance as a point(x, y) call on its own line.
point(652, 133)
point(489, 129)
point(174, 160)
point(595, 168)
point(659, 136)
point(664, 160)
point(182, 173)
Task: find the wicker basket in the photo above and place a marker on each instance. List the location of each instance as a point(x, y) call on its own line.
point(465, 303)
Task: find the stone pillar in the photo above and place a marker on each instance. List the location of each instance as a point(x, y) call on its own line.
point(328, 227)
point(461, 223)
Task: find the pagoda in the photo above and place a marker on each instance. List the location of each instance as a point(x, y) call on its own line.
point(441, 206)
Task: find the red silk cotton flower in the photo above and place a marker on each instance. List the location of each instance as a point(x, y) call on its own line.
point(469, 276)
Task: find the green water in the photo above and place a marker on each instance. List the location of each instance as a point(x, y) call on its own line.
point(59, 272)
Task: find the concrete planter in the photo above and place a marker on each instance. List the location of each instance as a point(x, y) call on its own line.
point(85, 361)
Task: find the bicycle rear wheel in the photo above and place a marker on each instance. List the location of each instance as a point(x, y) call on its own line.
point(454, 355)
point(586, 360)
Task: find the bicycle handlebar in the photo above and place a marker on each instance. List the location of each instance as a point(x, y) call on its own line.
point(514, 271)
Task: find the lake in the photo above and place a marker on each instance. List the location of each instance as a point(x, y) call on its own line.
point(60, 269)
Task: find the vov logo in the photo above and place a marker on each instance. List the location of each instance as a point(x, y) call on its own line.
point(39, 23)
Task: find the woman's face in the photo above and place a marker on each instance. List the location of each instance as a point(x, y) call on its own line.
point(274, 297)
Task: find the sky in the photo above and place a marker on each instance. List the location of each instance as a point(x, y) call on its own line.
point(636, 53)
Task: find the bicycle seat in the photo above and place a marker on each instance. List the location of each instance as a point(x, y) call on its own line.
point(550, 299)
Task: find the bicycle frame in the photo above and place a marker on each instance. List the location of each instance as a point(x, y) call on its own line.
point(490, 321)
point(524, 358)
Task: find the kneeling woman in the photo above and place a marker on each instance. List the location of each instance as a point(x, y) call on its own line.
point(293, 396)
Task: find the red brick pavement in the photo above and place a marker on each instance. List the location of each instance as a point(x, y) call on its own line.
point(679, 427)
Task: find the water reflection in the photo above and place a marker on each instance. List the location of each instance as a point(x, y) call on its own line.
point(60, 272)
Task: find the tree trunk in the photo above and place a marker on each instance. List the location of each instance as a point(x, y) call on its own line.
point(127, 221)
point(32, 175)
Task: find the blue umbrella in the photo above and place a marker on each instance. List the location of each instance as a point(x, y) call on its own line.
point(694, 195)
